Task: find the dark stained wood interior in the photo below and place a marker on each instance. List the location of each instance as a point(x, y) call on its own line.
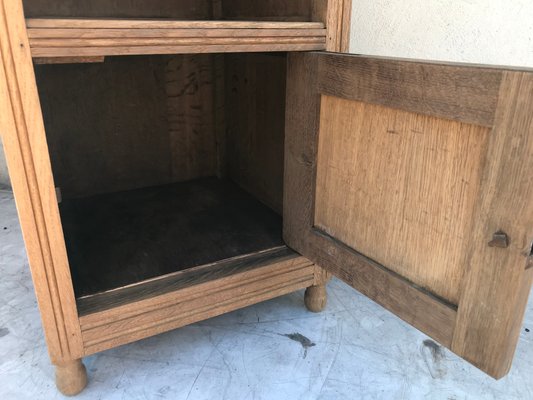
point(182, 279)
point(129, 122)
point(182, 9)
point(123, 238)
point(255, 119)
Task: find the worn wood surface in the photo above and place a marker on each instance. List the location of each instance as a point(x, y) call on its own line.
point(140, 319)
point(190, 97)
point(496, 288)
point(471, 100)
point(71, 377)
point(400, 188)
point(255, 120)
point(104, 37)
point(26, 153)
point(483, 327)
point(159, 130)
point(123, 238)
point(174, 281)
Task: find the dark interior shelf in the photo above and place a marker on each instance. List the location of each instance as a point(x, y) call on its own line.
point(119, 239)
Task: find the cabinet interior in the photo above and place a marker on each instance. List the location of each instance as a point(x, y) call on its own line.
point(165, 163)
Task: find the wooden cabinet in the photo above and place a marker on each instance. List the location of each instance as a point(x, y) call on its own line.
point(201, 159)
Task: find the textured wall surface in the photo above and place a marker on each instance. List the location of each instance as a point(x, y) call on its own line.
point(473, 31)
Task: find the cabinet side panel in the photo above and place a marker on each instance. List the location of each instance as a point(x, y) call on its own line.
point(255, 115)
point(27, 156)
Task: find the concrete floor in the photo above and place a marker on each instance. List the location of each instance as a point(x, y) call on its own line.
point(360, 351)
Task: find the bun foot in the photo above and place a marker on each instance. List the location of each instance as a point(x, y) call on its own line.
point(71, 377)
point(315, 298)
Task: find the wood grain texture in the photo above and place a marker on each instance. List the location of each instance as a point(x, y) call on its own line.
point(255, 120)
point(496, 289)
point(243, 46)
point(453, 92)
point(338, 19)
point(137, 320)
point(106, 134)
point(123, 238)
point(105, 37)
point(483, 327)
point(172, 282)
point(400, 188)
point(31, 177)
point(156, 131)
point(417, 307)
point(142, 24)
point(189, 86)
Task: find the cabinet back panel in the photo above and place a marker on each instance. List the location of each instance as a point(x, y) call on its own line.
point(127, 123)
point(295, 10)
point(185, 9)
point(404, 197)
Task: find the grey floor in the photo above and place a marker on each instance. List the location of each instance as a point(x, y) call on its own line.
point(356, 350)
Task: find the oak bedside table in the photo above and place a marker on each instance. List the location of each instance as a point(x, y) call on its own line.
point(175, 160)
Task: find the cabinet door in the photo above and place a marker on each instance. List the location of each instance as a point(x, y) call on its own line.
point(413, 183)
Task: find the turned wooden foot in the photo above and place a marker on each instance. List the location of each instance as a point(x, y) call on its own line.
point(71, 377)
point(315, 298)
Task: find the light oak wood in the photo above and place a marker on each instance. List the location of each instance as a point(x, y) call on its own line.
point(68, 336)
point(497, 285)
point(71, 377)
point(105, 37)
point(400, 188)
point(195, 302)
point(26, 152)
point(491, 283)
point(315, 297)
point(39, 35)
point(164, 24)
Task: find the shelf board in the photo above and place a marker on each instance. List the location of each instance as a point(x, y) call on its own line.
point(74, 37)
point(119, 239)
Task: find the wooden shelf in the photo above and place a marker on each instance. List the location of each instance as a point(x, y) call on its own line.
point(74, 37)
point(118, 239)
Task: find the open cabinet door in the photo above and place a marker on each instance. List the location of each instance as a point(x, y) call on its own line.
point(413, 183)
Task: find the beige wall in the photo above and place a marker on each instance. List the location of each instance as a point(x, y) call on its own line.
point(474, 31)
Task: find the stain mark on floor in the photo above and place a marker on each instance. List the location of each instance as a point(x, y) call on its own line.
point(434, 357)
point(4, 332)
point(303, 340)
